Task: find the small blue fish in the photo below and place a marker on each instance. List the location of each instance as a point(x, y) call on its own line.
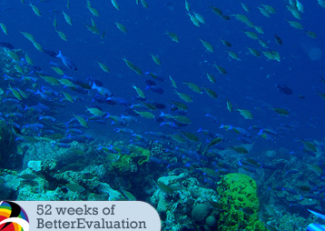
point(67, 62)
point(140, 137)
point(269, 131)
point(50, 118)
point(213, 118)
point(101, 90)
point(155, 89)
point(256, 127)
point(44, 107)
point(124, 130)
point(138, 106)
point(49, 91)
point(45, 96)
point(73, 120)
point(35, 127)
point(207, 132)
point(159, 105)
point(28, 78)
point(242, 131)
point(284, 89)
point(75, 131)
point(170, 124)
point(130, 119)
point(118, 100)
point(12, 79)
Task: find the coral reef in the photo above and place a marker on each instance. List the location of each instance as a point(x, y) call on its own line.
point(83, 172)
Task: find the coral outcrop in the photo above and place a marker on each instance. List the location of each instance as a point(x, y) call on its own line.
point(239, 197)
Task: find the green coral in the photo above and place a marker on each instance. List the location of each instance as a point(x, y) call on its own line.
point(8, 147)
point(123, 163)
point(238, 191)
point(143, 153)
point(139, 155)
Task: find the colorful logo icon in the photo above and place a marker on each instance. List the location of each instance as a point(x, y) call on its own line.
point(13, 217)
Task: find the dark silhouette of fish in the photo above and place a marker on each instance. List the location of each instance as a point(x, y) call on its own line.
point(6, 9)
point(278, 40)
point(49, 52)
point(284, 89)
point(7, 45)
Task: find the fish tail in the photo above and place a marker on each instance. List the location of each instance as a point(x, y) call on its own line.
point(93, 85)
point(59, 55)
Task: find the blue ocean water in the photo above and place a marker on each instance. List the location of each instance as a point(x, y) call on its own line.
point(250, 82)
point(188, 59)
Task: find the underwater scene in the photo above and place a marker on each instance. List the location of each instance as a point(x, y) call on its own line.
point(210, 111)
